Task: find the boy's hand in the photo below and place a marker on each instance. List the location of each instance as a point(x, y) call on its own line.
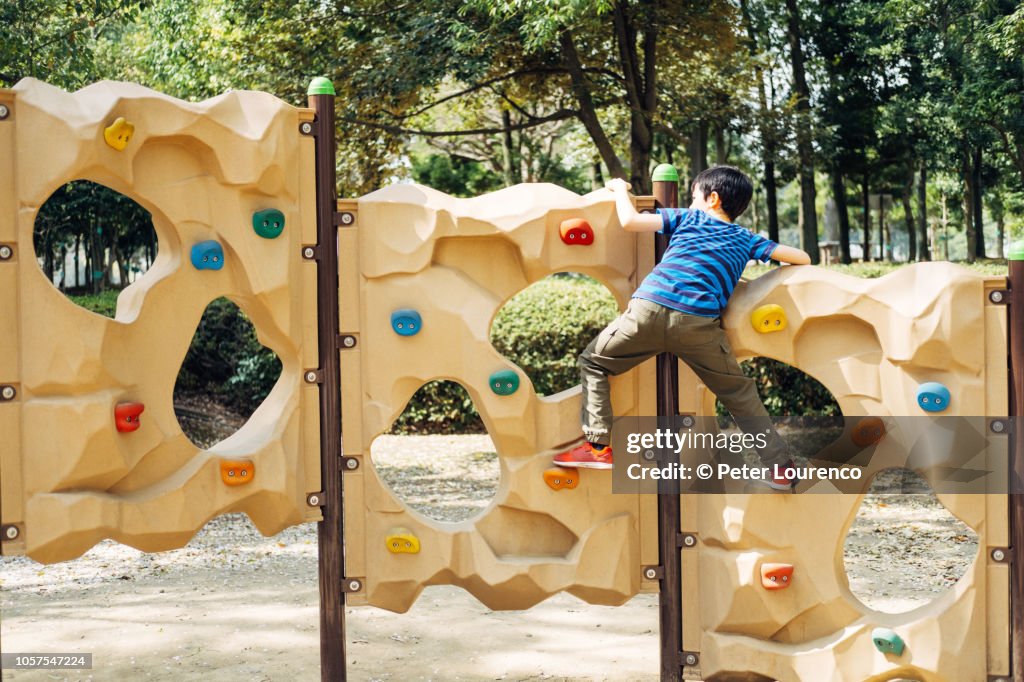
point(618, 185)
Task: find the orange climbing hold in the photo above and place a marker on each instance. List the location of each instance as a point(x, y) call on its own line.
point(868, 431)
point(237, 471)
point(776, 576)
point(559, 479)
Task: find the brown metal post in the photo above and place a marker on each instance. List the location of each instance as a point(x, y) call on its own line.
point(330, 532)
point(666, 195)
point(1015, 344)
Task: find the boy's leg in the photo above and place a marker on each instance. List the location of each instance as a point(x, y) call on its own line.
point(702, 344)
point(634, 336)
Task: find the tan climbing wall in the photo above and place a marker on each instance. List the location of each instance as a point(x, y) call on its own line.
point(69, 478)
point(871, 343)
point(456, 262)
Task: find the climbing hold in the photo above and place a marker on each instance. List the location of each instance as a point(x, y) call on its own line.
point(208, 255)
point(504, 382)
point(576, 232)
point(118, 133)
point(406, 322)
point(768, 318)
point(932, 396)
point(558, 478)
point(402, 541)
point(237, 471)
point(868, 431)
point(887, 641)
point(776, 576)
point(268, 223)
point(126, 416)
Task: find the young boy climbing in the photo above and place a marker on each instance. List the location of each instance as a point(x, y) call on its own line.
point(677, 309)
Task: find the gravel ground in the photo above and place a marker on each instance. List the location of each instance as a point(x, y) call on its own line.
point(234, 605)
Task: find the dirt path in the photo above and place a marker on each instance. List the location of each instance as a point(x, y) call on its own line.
point(234, 605)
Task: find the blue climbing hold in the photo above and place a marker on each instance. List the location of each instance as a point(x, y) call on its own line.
point(406, 322)
point(932, 396)
point(208, 255)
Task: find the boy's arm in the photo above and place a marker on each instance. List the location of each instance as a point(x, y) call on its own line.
point(630, 219)
point(787, 254)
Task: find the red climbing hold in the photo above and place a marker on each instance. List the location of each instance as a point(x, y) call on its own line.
point(126, 416)
point(576, 232)
point(776, 576)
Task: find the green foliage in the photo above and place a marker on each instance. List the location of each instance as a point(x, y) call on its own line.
point(227, 361)
point(544, 328)
point(104, 303)
point(454, 175)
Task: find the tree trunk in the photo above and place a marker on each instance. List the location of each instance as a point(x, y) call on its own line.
point(721, 157)
point(865, 190)
point(908, 216)
point(596, 176)
point(767, 137)
point(78, 269)
point(968, 203)
point(805, 148)
point(587, 111)
point(510, 163)
point(640, 82)
point(771, 199)
point(839, 194)
point(698, 151)
point(979, 223)
point(922, 214)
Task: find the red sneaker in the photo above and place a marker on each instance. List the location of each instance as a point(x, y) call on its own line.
point(586, 457)
point(785, 478)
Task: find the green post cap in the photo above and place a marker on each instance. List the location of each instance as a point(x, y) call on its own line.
point(1017, 251)
point(665, 172)
point(320, 86)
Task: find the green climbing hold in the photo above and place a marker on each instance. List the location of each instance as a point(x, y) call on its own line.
point(268, 223)
point(665, 172)
point(887, 641)
point(1016, 251)
point(504, 382)
point(320, 86)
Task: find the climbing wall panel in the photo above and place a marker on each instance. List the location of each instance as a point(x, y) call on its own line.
point(80, 464)
point(446, 266)
point(872, 343)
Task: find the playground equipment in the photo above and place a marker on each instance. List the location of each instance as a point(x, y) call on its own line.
point(367, 300)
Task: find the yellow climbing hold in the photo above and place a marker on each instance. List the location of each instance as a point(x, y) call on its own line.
point(402, 541)
point(118, 133)
point(768, 318)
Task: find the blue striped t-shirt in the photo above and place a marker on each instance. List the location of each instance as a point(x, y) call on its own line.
point(703, 262)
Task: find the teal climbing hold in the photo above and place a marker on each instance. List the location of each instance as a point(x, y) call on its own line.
point(932, 396)
point(268, 223)
point(406, 322)
point(887, 641)
point(504, 382)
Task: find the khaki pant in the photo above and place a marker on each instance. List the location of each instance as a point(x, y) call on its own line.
point(646, 329)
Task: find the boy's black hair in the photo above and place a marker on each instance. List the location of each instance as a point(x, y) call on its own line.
point(733, 186)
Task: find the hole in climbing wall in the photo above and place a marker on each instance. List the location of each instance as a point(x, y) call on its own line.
point(905, 548)
point(805, 413)
point(92, 242)
point(226, 374)
point(544, 328)
point(437, 457)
